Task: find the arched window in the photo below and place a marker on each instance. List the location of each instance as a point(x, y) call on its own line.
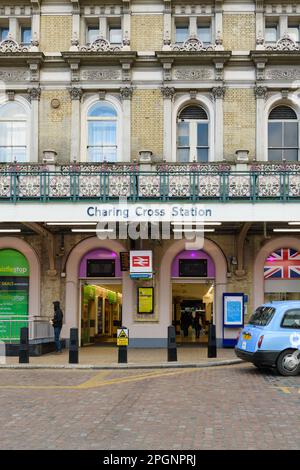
point(102, 133)
point(13, 132)
point(192, 134)
point(283, 134)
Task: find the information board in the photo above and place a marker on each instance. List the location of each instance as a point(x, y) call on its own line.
point(233, 306)
point(124, 261)
point(145, 299)
point(100, 268)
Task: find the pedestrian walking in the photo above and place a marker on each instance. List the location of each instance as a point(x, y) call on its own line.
point(197, 324)
point(57, 325)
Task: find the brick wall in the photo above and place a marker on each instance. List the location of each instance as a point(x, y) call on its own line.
point(239, 32)
point(146, 32)
point(239, 122)
point(56, 33)
point(55, 124)
point(147, 122)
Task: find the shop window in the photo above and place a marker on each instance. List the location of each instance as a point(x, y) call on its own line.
point(102, 133)
point(13, 133)
point(283, 134)
point(192, 134)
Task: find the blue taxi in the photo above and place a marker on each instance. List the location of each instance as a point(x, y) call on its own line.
point(272, 337)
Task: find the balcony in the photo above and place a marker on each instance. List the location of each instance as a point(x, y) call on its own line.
point(165, 182)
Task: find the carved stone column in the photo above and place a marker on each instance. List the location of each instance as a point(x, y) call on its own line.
point(126, 25)
point(260, 95)
point(126, 95)
point(218, 95)
point(168, 94)
point(75, 94)
point(34, 95)
point(167, 25)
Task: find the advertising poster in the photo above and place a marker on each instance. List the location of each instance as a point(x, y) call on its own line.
point(145, 300)
point(14, 291)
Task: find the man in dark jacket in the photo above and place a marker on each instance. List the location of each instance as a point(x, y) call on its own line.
point(57, 322)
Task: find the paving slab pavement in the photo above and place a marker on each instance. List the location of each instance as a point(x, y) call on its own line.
point(107, 357)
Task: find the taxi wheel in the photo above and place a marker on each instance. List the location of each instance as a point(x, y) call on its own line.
point(286, 364)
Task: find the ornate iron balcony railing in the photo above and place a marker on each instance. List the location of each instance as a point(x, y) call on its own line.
point(78, 184)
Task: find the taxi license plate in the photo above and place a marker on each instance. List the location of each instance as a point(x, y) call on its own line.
point(246, 336)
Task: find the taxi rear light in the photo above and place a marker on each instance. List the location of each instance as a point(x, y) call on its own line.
point(260, 341)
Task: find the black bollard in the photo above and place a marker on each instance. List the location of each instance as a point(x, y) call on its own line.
point(212, 342)
point(74, 346)
point(24, 346)
point(172, 350)
point(122, 355)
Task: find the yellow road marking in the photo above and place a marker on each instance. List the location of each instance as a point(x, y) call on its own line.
point(96, 381)
point(284, 389)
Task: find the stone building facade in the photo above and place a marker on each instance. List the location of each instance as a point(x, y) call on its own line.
point(167, 102)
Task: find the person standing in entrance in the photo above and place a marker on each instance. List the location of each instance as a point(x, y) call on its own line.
point(57, 325)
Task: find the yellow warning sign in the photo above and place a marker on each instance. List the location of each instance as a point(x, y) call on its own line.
point(122, 337)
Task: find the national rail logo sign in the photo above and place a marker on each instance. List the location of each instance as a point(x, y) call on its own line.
point(141, 263)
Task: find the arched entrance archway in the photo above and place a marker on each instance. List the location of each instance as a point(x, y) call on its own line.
point(193, 278)
point(165, 284)
point(263, 254)
point(72, 298)
point(34, 269)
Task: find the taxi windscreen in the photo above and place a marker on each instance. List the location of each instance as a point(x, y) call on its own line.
point(262, 316)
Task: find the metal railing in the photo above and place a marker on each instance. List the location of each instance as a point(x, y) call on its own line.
point(135, 185)
point(39, 329)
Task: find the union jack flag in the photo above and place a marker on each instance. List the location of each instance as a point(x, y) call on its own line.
point(283, 264)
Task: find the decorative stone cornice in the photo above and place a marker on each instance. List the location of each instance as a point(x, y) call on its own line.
point(9, 45)
point(34, 93)
point(260, 92)
point(218, 92)
point(284, 44)
point(75, 93)
point(126, 92)
point(193, 44)
point(167, 92)
point(100, 45)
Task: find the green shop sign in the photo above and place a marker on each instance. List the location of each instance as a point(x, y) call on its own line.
point(14, 290)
